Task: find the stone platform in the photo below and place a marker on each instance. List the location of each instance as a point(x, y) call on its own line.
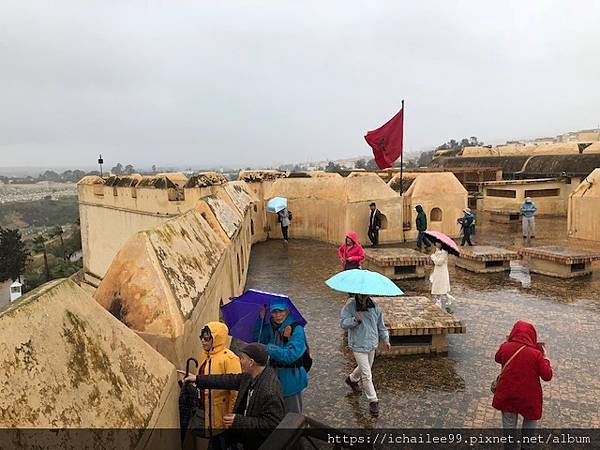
point(507, 216)
point(397, 263)
point(561, 262)
point(485, 259)
point(416, 325)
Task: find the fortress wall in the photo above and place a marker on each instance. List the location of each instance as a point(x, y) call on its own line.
point(550, 196)
point(325, 208)
point(583, 204)
point(166, 282)
point(67, 363)
point(108, 220)
point(443, 199)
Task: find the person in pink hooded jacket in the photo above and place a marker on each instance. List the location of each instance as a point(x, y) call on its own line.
point(351, 252)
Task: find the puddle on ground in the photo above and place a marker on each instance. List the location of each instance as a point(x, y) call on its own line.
point(447, 390)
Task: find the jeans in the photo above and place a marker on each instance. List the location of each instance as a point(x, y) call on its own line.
point(509, 426)
point(362, 372)
point(466, 236)
point(422, 239)
point(284, 231)
point(528, 227)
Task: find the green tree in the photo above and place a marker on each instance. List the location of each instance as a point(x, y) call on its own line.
point(117, 170)
point(360, 164)
point(57, 231)
point(425, 158)
point(332, 167)
point(129, 169)
point(39, 246)
point(371, 165)
point(13, 255)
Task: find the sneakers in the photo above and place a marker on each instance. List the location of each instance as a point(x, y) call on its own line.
point(353, 385)
point(374, 409)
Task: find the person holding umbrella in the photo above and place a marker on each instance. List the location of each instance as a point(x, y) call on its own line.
point(440, 278)
point(286, 345)
point(362, 319)
point(278, 205)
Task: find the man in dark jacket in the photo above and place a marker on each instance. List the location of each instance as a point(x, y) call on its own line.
point(421, 223)
point(259, 405)
point(374, 225)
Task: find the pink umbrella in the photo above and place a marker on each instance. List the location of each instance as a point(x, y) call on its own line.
point(447, 243)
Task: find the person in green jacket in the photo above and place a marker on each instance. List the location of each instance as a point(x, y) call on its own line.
point(421, 228)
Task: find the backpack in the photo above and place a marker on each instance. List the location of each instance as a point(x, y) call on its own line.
point(289, 215)
point(305, 360)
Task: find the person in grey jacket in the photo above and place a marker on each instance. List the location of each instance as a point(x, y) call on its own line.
point(363, 319)
point(283, 217)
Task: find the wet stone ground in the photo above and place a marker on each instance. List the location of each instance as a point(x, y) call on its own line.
point(447, 390)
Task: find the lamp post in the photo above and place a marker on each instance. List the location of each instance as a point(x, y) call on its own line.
point(100, 161)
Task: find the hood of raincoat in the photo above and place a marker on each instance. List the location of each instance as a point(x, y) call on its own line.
point(524, 333)
point(219, 332)
point(354, 236)
point(419, 208)
point(528, 200)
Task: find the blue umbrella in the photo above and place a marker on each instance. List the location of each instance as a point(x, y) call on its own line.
point(360, 281)
point(276, 204)
point(241, 313)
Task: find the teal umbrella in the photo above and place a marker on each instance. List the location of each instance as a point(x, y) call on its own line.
point(360, 281)
point(276, 204)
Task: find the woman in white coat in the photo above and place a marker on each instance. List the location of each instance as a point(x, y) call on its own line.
point(440, 278)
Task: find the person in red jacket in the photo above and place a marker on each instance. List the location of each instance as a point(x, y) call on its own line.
point(351, 252)
point(519, 391)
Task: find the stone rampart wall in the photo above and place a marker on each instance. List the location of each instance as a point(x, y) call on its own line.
point(67, 363)
point(583, 207)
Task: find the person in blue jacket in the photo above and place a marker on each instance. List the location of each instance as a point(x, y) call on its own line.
point(286, 344)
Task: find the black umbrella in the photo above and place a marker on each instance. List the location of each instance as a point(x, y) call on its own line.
point(188, 398)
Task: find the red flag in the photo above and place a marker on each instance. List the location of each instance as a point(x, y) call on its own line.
point(387, 141)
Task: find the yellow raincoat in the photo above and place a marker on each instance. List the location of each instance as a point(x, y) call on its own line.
point(219, 360)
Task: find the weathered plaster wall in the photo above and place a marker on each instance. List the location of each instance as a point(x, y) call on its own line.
point(67, 363)
point(552, 205)
point(584, 204)
point(325, 208)
point(165, 283)
point(439, 191)
point(110, 214)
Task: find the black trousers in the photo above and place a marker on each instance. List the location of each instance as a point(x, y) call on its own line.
point(284, 231)
point(373, 236)
point(466, 236)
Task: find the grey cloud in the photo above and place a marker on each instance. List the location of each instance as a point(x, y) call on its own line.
point(250, 83)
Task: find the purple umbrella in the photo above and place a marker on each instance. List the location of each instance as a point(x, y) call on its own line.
point(241, 313)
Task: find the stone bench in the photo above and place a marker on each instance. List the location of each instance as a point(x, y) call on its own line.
point(561, 262)
point(397, 263)
point(485, 259)
point(416, 326)
point(506, 216)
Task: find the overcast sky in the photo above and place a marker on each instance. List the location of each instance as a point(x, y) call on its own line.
point(241, 83)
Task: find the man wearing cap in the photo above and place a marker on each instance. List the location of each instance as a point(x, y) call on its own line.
point(259, 404)
point(466, 223)
point(286, 344)
point(528, 210)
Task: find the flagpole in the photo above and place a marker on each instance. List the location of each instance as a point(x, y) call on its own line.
point(402, 155)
